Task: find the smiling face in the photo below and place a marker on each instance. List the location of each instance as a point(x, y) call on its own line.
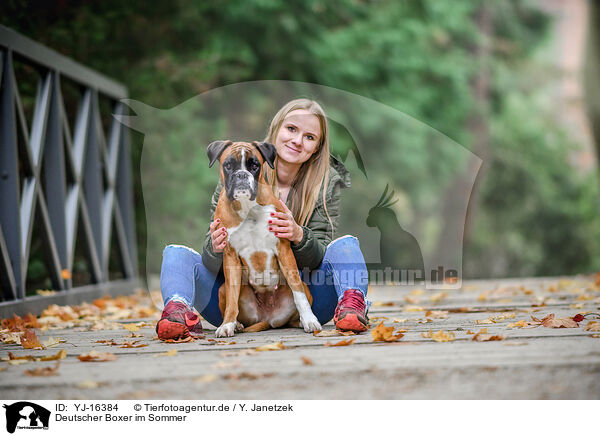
point(299, 137)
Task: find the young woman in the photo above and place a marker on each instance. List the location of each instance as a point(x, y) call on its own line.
point(308, 181)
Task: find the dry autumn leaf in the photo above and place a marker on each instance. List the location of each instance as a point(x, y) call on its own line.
point(551, 322)
point(329, 333)
point(88, 384)
point(437, 314)
point(43, 372)
point(592, 326)
point(520, 324)
point(179, 341)
point(417, 292)
point(271, 347)
point(342, 343)
point(306, 360)
point(437, 297)
point(413, 309)
point(95, 356)
point(30, 341)
point(51, 342)
point(483, 335)
point(131, 327)
point(65, 274)
point(381, 333)
point(172, 352)
point(439, 336)
point(206, 378)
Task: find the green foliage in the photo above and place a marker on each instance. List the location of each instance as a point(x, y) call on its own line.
point(536, 215)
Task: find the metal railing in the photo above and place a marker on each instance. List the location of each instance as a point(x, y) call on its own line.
point(73, 182)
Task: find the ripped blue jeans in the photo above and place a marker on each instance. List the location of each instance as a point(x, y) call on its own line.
point(184, 277)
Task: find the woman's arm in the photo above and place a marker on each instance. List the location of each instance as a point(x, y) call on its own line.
point(211, 260)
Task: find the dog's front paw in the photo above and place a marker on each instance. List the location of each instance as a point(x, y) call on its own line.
point(310, 323)
point(226, 330)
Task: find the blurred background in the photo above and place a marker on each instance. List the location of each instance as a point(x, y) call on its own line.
point(515, 82)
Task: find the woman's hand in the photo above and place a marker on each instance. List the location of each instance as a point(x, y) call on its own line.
point(284, 226)
point(218, 236)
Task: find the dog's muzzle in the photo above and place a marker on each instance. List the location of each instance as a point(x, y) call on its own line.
point(243, 185)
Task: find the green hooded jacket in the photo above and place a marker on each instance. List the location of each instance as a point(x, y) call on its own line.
point(318, 232)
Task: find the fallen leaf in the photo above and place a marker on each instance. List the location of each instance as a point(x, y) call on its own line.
point(594, 336)
point(411, 300)
point(382, 303)
point(247, 375)
point(417, 292)
point(435, 298)
point(65, 274)
point(51, 342)
point(483, 335)
point(381, 333)
point(551, 322)
point(58, 356)
point(30, 341)
point(18, 362)
point(95, 356)
point(520, 324)
point(400, 320)
point(179, 341)
point(413, 309)
point(334, 332)
point(11, 338)
point(342, 343)
point(469, 332)
point(133, 345)
point(45, 292)
point(485, 321)
point(437, 314)
point(271, 347)
point(439, 336)
point(325, 333)
point(482, 296)
point(88, 384)
point(306, 360)
point(206, 378)
point(592, 326)
point(578, 318)
point(42, 372)
point(4, 368)
point(169, 353)
point(131, 327)
point(504, 316)
point(224, 364)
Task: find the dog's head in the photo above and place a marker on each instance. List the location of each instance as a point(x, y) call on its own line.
point(241, 165)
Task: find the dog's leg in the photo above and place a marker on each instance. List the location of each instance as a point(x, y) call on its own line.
point(258, 327)
point(233, 275)
point(288, 266)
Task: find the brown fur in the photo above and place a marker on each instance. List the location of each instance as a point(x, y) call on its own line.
point(240, 302)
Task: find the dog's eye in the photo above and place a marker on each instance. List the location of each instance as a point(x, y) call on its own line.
point(227, 165)
point(253, 166)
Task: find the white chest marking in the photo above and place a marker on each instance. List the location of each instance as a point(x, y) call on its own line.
point(253, 235)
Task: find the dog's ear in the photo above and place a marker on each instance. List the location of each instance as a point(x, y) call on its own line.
point(215, 149)
point(268, 152)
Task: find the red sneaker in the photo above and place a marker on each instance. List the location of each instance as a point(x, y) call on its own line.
point(350, 313)
point(178, 321)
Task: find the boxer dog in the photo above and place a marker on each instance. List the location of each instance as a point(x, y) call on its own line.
point(262, 287)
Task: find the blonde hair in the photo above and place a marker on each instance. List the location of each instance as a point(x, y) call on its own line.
point(313, 173)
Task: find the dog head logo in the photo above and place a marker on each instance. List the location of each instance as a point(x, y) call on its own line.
point(26, 415)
